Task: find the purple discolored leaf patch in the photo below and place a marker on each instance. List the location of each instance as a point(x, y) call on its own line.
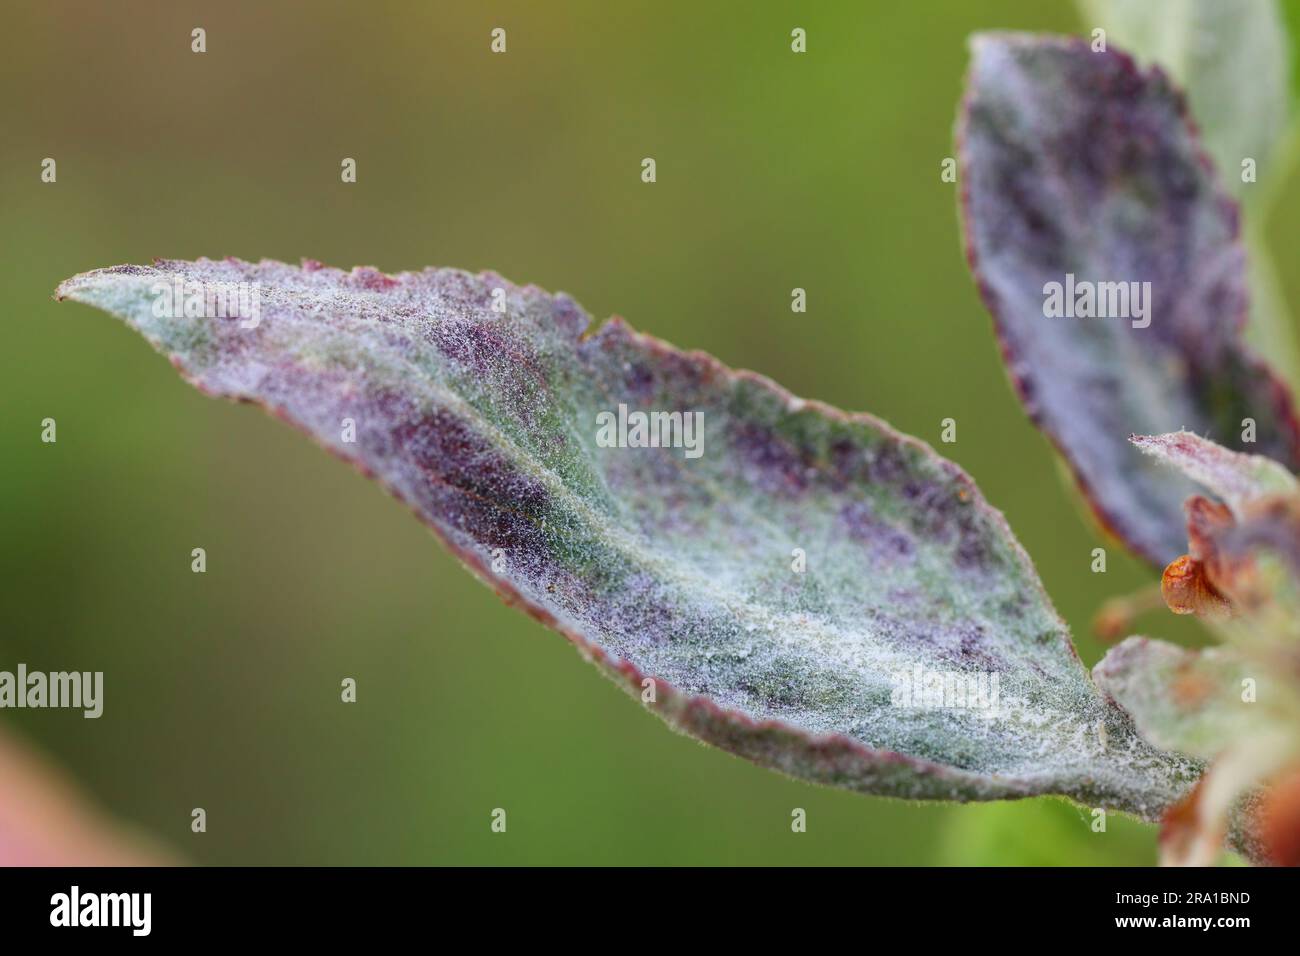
point(1110, 260)
point(803, 587)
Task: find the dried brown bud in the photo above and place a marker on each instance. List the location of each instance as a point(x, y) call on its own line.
point(1187, 589)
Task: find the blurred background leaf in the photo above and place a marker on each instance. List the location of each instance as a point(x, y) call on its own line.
point(1235, 61)
point(1043, 832)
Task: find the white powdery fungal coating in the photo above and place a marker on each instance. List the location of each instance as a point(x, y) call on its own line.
point(1190, 700)
point(477, 402)
point(1235, 477)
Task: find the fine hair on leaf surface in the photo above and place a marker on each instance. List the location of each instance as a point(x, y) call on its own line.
point(675, 570)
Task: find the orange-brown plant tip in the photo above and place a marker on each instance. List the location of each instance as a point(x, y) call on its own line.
point(1281, 820)
point(1187, 590)
point(1179, 827)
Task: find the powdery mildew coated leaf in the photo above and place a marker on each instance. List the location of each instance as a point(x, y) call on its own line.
point(1183, 699)
point(1238, 479)
point(1076, 163)
point(672, 568)
point(1232, 58)
point(1216, 704)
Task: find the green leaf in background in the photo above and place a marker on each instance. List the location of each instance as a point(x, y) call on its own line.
point(806, 588)
point(1291, 19)
point(1043, 832)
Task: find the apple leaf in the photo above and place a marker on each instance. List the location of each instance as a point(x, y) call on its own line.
point(1238, 479)
point(797, 585)
point(1233, 59)
point(1110, 261)
point(1191, 701)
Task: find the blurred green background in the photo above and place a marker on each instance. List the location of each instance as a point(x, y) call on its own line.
point(774, 171)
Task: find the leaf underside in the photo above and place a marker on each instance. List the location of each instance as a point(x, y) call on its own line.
point(674, 568)
point(1078, 163)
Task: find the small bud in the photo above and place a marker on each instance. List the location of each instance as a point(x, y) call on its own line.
point(1187, 590)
